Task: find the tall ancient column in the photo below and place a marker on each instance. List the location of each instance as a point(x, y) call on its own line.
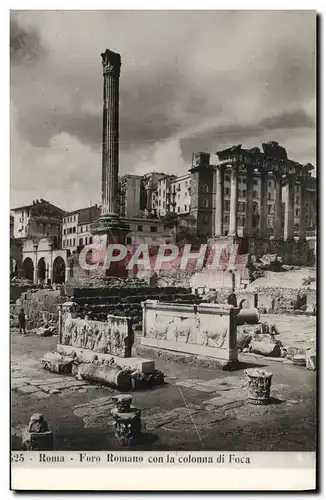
point(219, 203)
point(302, 224)
point(233, 202)
point(263, 204)
point(278, 207)
point(289, 209)
point(249, 201)
point(110, 144)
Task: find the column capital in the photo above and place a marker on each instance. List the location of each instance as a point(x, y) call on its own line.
point(111, 62)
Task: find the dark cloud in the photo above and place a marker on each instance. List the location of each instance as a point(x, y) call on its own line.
point(25, 44)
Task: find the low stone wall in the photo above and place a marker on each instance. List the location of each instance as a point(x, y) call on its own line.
point(97, 303)
point(204, 330)
point(298, 253)
point(40, 306)
point(268, 299)
point(282, 300)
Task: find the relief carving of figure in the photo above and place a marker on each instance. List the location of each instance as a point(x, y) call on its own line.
point(182, 327)
point(217, 337)
point(102, 345)
point(74, 336)
point(159, 332)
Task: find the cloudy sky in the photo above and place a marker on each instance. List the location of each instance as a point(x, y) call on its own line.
point(190, 81)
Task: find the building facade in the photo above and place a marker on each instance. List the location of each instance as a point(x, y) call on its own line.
point(77, 227)
point(38, 220)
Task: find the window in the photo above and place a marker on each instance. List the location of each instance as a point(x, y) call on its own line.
point(128, 240)
point(179, 196)
point(227, 178)
point(243, 221)
point(227, 191)
point(80, 242)
point(244, 192)
point(206, 219)
point(244, 180)
point(270, 184)
point(269, 196)
point(255, 194)
point(297, 201)
point(186, 194)
point(64, 231)
point(297, 212)
point(163, 204)
point(307, 219)
point(139, 228)
point(153, 229)
point(269, 209)
point(163, 193)
point(205, 187)
point(186, 208)
point(255, 182)
point(226, 219)
point(74, 229)
point(239, 193)
point(178, 209)
point(227, 204)
point(297, 188)
point(159, 203)
point(74, 242)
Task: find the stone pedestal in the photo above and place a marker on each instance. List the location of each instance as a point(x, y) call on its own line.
point(127, 422)
point(259, 386)
point(37, 436)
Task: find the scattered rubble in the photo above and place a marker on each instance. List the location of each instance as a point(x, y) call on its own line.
point(107, 282)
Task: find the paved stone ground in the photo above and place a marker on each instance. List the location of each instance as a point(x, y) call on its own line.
point(196, 408)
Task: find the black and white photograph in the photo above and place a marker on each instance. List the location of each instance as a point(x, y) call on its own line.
point(163, 238)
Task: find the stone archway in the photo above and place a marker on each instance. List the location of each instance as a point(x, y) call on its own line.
point(41, 269)
point(28, 269)
point(59, 270)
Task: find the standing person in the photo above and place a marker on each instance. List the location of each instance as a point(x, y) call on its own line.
point(22, 321)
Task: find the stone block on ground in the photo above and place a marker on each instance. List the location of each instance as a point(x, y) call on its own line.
point(37, 436)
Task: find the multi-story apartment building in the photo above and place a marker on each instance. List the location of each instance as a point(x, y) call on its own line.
point(132, 195)
point(76, 227)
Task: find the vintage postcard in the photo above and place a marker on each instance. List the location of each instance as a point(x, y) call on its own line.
point(163, 250)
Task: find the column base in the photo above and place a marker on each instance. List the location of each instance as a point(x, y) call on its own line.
point(110, 229)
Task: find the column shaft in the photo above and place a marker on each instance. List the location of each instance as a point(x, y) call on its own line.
point(249, 201)
point(263, 204)
point(278, 208)
point(289, 210)
point(233, 202)
point(110, 155)
point(219, 201)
